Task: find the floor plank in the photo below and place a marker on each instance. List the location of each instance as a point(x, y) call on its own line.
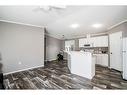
point(56, 75)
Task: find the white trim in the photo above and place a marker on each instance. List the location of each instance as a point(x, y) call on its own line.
point(84, 36)
point(51, 59)
point(54, 36)
point(23, 70)
point(57, 36)
point(113, 26)
point(97, 34)
point(21, 23)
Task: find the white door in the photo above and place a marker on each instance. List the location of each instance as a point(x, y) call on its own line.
point(124, 51)
point(116, 50)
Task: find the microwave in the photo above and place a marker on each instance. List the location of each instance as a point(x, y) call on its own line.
point(88, 45)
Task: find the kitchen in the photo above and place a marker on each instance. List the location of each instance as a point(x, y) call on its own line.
point(108, 49)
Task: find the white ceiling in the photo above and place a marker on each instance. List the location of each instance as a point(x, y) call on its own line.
point(58, 21)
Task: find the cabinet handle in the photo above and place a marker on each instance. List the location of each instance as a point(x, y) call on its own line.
point(111, 52)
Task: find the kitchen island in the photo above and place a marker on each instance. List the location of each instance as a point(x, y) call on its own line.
point(81, 63)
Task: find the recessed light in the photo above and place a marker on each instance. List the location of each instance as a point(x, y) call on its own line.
point(74, 25)
point(97, 25)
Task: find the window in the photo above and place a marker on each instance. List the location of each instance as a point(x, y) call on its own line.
point(70, 45)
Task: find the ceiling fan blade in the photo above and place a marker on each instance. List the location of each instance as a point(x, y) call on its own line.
point(49, 8)
point(59, 6)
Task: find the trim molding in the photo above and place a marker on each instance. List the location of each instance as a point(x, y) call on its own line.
point(22, 70)
point(57, 36)
point(92, 35)
point(21, 23)
point(54, 36)
point(51, 59)
point(115, 25)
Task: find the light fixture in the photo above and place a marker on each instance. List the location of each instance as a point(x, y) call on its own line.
point(74, 25)
point(97, 25)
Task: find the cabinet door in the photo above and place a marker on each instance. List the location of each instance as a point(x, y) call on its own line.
point(99, 61)
point(104, 41)
point(104, 60)
point(97, 41)
point(101, 41)
point(91, 41)
point(82, 42)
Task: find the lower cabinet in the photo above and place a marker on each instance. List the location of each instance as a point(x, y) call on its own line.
point(102, 59)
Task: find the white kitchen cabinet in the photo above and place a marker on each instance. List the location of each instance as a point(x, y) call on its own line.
point(97, 42)
point(91, 41)
point(101, 41)
point(82, 42)
point(102, 59)
point(98, 59)
point(105, 59)
point(104, 41)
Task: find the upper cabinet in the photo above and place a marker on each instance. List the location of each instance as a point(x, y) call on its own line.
point(82, 42)
point(101, 41)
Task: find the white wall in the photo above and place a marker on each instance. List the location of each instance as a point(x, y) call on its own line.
point(122, 27)
point(21, 46)
point(53, 47)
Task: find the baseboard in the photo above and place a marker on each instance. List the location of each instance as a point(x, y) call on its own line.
point(50, 60)
point(22, 70)
point(115, 69)
point(102, 65)
point(65, 58)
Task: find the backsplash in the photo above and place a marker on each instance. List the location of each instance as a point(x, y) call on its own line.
point(96, 50)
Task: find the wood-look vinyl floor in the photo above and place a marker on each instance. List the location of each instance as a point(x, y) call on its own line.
point(56, 75)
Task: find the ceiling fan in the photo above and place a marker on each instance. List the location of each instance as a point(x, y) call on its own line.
point(50, 8)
